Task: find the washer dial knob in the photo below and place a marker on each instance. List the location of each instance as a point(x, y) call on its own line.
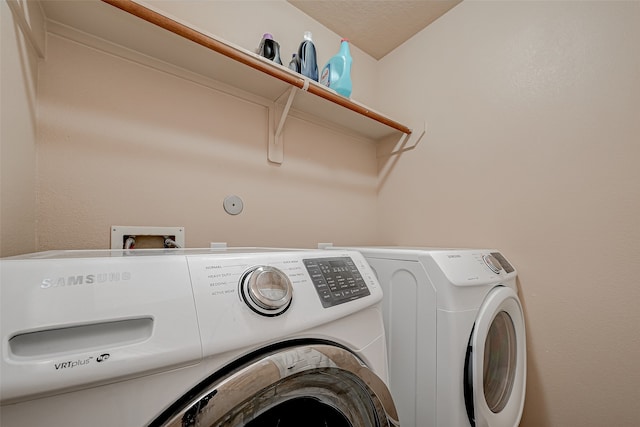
point(266, 290)
point(493, 264)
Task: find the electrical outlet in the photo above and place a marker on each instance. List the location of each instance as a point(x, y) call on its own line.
point(145, 237)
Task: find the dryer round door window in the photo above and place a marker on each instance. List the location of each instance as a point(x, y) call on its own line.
point(497, 361)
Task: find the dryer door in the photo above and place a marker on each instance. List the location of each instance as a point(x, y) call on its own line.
point(495, 374)
point(306, 385)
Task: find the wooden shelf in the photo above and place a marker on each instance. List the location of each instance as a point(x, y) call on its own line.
point(136, 27)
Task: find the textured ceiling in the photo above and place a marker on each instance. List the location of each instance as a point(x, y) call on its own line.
point(375, 26)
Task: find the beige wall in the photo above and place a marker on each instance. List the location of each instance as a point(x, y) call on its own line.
point(18, 127)
point(125, 144)
point(133, 142)
point(533, 142)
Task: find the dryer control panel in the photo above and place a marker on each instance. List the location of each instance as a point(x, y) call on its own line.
point(508, 268)
point(471, 267)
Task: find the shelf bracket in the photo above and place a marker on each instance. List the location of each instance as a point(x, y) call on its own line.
point(409, 142)
point(278, 113)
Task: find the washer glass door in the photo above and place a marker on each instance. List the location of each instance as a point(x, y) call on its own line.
point(495, 371)
point(306, 385)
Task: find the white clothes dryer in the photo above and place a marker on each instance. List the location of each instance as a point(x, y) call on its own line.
point(222, 337)
point(455, 335)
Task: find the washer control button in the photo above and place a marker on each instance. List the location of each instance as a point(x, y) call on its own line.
point(336, 279)
point(266, 290)
point(492, 263)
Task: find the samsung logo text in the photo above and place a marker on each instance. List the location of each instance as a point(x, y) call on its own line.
point(86, 279)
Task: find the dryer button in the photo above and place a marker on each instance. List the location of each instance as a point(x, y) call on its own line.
point(492, 263)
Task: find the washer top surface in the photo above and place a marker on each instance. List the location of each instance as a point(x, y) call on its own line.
point(114, 253)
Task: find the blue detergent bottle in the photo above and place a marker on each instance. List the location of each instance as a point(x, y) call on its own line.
point(337, 73)
point(307, 58)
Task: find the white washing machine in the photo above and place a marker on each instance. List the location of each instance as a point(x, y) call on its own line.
point(235, 337)
point(455, 335)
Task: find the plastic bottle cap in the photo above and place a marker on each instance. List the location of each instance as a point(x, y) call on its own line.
point(307, 35)
point(267, 36)
point(344, 40)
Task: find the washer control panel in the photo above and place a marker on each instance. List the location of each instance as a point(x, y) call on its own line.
point(243, 298)
point(337, 280)
point(182, 305)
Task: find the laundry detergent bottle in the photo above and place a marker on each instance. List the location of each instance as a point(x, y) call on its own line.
point(294, 64)
point(269, 48)
point(337, 73)
point(307, 57)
